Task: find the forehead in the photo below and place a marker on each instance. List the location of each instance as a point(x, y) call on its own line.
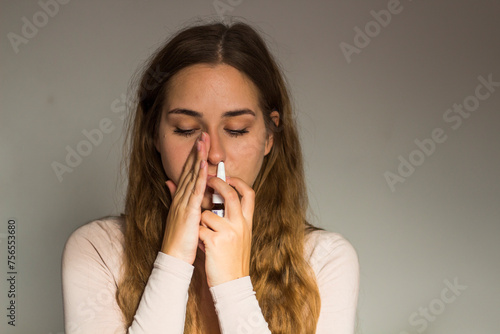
point(211, 88)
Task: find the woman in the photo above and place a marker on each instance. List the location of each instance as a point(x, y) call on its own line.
point(169, 265)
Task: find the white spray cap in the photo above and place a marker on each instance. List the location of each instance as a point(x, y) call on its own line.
point(221, 174)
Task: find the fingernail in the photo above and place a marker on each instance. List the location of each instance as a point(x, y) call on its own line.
point(203, 136)
point(203, 163)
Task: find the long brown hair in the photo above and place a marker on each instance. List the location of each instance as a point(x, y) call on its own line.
point(285, 284)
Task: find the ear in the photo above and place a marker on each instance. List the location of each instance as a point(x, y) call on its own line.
point(275, 117)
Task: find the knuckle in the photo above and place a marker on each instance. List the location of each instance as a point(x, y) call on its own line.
point(196, 191)
point(231, 236)
point(232, 196)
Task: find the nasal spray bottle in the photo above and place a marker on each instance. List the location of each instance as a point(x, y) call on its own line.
point(217, 199)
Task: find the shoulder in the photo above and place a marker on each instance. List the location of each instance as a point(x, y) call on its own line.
point(102, 233)
point(97, 243)
point(331, 252)
point(335, 264)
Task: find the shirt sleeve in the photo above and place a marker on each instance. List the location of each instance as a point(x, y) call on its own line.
point(89, 268)
point(336, 267)
point(337, 272)
point(237, 308)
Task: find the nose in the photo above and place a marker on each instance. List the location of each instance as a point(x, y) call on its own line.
point(216, 152)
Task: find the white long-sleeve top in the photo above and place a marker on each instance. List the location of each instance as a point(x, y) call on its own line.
point(91, 272)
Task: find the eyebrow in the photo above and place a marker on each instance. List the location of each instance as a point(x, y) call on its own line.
point(192, 113)
point(180, 111)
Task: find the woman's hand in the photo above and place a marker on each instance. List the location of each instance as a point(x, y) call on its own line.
point(228, 239)
point(182, 228)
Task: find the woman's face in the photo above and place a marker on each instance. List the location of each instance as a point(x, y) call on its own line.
point(222, 102)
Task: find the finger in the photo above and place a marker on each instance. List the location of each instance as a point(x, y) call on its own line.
point(187, 169)
point(247, 197)
point(230, 195)
point(191, 170)
point(191, 166)
point(205, 234)
point(195, 188)
point(205, 146)
point(212, 221)
point(198, 189)
point(206, 140)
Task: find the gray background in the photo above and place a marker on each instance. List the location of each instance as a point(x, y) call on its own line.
point(356, 118)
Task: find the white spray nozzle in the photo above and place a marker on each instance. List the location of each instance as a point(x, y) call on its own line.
point(221, 174)
point(221, 171)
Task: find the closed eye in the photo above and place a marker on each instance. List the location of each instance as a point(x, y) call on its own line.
point(185, 132)
point(236, 133)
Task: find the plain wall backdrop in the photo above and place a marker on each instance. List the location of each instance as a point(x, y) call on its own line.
point(398, 104)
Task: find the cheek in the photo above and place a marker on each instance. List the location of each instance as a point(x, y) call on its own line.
point(248, 158)
point(173, 157)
